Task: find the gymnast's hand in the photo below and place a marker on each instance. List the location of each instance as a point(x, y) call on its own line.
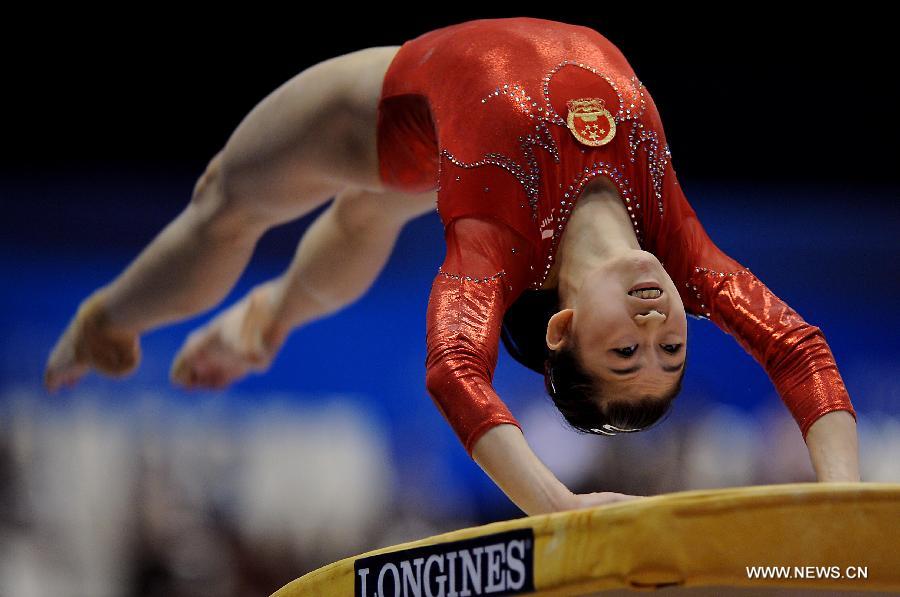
point(91, 342)
point(243, 338)
point(600, 498)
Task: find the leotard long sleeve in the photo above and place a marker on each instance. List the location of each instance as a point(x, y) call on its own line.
point(471, 291)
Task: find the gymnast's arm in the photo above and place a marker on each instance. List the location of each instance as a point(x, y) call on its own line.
point(794, 353)
point(463, 327)
point(833, 447)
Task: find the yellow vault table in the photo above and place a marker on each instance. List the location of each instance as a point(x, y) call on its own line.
point(789, 539)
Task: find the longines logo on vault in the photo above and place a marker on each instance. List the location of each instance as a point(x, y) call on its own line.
point(498, 564)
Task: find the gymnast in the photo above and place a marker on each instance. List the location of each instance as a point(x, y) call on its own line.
point(568, 239)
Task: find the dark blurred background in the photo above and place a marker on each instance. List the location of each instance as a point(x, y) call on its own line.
point(783, 133)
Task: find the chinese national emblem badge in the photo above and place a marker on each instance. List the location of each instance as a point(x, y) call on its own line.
point(590, 121)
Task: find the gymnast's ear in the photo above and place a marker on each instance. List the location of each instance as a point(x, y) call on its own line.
point(559, 329)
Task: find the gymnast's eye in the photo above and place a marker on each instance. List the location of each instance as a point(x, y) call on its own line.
point(627, 351)
point(630, 350)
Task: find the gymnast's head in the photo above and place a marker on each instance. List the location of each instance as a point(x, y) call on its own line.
point(617, 346)
point(613, 358)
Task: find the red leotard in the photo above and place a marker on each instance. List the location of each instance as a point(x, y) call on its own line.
point(479, 111)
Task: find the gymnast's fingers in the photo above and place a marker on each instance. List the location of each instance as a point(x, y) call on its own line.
point(589, 500)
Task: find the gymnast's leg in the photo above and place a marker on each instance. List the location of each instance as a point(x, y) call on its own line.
point(301, 145)
point(336, 262)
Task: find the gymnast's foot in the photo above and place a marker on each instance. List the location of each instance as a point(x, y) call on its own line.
point(91, 341)
point(244, 338)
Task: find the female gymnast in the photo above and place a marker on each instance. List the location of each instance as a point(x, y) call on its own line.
point(567, 235)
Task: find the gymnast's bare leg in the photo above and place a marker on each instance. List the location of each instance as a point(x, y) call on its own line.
point(306, 142)
point(336, 262)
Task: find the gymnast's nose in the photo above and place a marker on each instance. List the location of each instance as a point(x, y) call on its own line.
point(652, 316)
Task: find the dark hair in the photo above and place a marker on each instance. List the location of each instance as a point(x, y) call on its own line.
point(577, 395)
point(524, 330)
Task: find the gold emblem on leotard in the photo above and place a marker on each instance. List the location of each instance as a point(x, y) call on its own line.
point(590, 121)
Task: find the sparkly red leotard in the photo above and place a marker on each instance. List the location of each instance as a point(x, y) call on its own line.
point(479, 110)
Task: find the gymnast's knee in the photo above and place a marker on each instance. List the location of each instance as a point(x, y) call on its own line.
point(220, 208)
point(358, 211)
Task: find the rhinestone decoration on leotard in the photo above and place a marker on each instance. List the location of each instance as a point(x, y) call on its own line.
point(527, 178)
point(657, 159)
point(713, 273)
point(573, 193)
point(470, 278)
point(529, 175)
point(623, 114)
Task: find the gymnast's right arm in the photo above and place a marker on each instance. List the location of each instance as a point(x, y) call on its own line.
point(465, 313)
point(459, 365)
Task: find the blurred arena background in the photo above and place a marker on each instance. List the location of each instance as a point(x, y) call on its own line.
point(779, 133)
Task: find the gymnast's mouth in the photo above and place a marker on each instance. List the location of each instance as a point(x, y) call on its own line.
point(646, 293)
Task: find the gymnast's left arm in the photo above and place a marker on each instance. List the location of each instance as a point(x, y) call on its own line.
point(794, 354)
point(833, 447)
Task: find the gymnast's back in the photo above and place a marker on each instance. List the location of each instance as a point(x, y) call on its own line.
point(488, 92)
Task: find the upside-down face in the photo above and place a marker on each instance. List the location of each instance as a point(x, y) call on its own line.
point(629, 325)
